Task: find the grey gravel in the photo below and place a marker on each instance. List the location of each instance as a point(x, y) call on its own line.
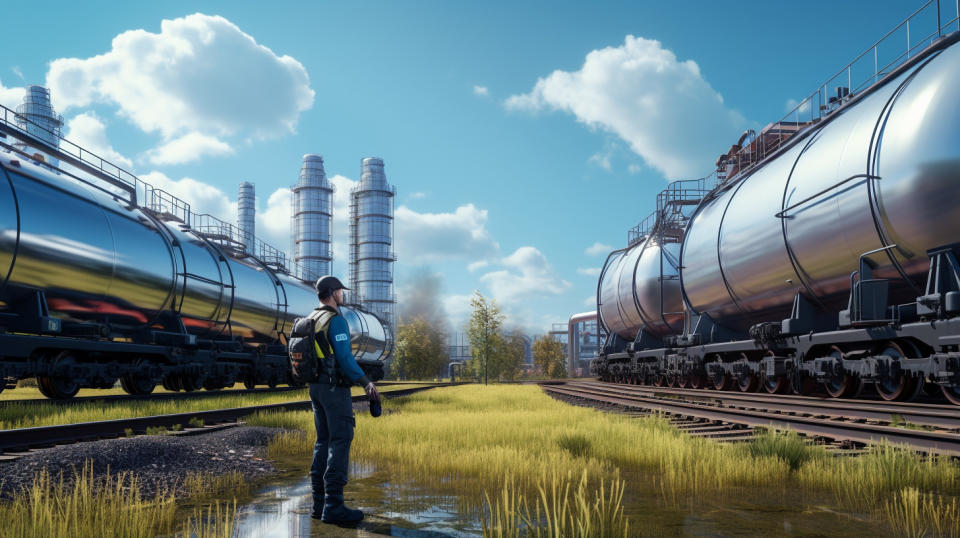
point(160, 462)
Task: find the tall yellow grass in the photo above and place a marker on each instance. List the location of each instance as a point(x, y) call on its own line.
point(467, 440)
point(111, 506)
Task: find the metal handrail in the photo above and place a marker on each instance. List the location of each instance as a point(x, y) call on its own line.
point(142, 194)
point(820, 104)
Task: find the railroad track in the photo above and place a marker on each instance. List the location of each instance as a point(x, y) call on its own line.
point(200, 394)
point(15, 442)
point(852, 423)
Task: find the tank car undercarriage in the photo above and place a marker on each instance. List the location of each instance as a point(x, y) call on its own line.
point(65, 356)
point(903, 350)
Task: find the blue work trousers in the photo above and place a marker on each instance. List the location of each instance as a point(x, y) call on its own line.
point(334, 420)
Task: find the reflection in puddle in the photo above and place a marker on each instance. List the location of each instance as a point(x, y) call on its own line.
point(395, 508)
point(391, 510)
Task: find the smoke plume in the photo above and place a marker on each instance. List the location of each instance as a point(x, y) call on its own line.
point(420, 296)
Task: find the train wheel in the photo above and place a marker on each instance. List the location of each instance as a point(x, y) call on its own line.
point(775, 384)
point(897, 387)
point(747, 383)
point(191, 383)
point(720, 381)
point(660, 381)
point(171, 382)
point(58, 388)
point(683, 381)
point(951, 392)
point(841, 385)
point(696, 381)
point(137, 383)
point(272, 382)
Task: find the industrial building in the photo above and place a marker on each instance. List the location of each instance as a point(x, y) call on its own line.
point(371, 242)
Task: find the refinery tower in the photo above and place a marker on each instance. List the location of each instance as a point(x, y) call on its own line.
point(371, 242)
point(37, 117)
point(312, 212)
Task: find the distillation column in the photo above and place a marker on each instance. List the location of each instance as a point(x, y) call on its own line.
point(246, 215)
point(371, 242)
point(37, 117)
point(312, 212)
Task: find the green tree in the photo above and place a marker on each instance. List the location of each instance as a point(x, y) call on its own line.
point(483, 331)
point(548, 356)
point(420, 350)
point(507, 360)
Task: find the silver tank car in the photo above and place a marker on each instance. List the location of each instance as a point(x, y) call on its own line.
point(639, 289)
point(98, 259)
point(884, 171)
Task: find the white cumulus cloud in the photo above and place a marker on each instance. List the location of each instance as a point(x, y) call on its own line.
point(598, 248)
point(10, 97)
point(589, 271)
point(527, 274)
point(188, 148)
point(273, 223)
point(435, 237)
point(200, 73)
point(88, 131)
point(482, 91)
point(641, 92)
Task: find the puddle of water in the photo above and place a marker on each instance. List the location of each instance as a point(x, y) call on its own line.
point(400, 509)
point(283, 510)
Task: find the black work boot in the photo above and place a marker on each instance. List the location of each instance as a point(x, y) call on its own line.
point(334, 511)
point(317, 505)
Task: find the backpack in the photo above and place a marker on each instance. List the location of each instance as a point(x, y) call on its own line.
point(309, 350)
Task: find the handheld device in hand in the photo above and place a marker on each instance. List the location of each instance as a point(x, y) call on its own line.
point(375, 408)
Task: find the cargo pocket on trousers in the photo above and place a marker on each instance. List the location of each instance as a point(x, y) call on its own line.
point(348, 423)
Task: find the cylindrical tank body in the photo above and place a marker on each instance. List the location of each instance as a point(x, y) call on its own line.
point(640, 289)
point(372, 254)
point(38, 118)
point(312, 214)
point(883, 171)
point(97, 259)
point(246, 215)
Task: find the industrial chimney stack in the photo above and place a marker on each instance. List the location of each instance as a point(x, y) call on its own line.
point(371, 242)
point(246, 215)
point(312, 212)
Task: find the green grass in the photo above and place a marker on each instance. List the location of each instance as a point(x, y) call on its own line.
point(897, 421)
point(14, 414)
point(111, 506)
point(465, 440)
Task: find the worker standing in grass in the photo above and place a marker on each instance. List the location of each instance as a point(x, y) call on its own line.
point(333, 405)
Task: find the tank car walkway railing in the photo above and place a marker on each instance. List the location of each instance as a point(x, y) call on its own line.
point(860, 422)
point(116, 181)
point(675, 204)
point(907, 40)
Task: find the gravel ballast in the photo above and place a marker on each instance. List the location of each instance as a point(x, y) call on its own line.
point(160, 462)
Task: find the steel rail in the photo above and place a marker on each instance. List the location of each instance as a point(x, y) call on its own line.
point(863, 433)
point(21, 439)
point(936, 415)
point(199, 394)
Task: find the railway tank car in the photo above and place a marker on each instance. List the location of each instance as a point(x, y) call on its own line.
point(821, 252)
point(98, 284)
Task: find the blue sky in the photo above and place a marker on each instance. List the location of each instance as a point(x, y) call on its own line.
point(518, 134)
